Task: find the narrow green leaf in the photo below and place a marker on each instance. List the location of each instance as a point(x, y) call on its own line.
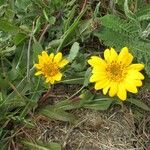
point(73, 81)
point(71, 15)
point(138, 103)
point(58, 114)
point(37, 49)
point(87, 77)
point(127, 11)
point(70, 31)
point(73, 51)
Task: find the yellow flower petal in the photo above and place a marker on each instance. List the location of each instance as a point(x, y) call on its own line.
point(38, 66)
point(138, 83)
point(113, 89)
point(105, 89)
point(130, 86)
point(133, 74)
point(123, 53)
point(58, 57)
point(125, 57)
point(44, 54)
point(97, 77)
point(128, 60)
point(107, 55)
point(113, 54)
point(137, 67)
point(101, 84)
point(122, 94)
point(38, 73)
point(51, 56)
point(63, 63)
point(96, 61)
point(58, 76)
point(100, 70)
point(50, 80)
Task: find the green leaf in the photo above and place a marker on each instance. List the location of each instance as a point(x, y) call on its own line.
point(37, 49)
point(73, 51)
point(40, 146)
point(8, 50)
point(58, 114)
point(127, 11)
point(99, 103)
point(18, 38)
point(73, 81)
point(67, 35)
point(13, 74)
point(8, 27)
point(66, 105)
point(71, 15)
point(86, 97)
point(138, 103)
point(87, 77)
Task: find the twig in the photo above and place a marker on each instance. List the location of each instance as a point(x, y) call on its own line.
point(84, 5)
point(44, 31)
point(44, 98)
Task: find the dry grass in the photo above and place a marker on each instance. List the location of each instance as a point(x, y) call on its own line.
point(111, 130)
point(115, 129)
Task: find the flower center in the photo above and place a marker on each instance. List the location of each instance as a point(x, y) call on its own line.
point(115, 71)
point(50, 69)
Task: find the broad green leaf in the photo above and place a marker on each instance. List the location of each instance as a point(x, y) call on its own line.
point(67, 105)
point(86, 97)
point(41, 146)
point(2, 2)
point(99, 105)
point(54, 43)
point(3, 83)
point(74, 51)
point(23, 4)
point(99, 102)
point(18, 38)
point(8, 27)
point(138, 103)
point(13, 74)
point(58, 114)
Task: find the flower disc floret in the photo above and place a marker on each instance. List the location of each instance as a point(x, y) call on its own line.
point(115, 73)
point(49, 66)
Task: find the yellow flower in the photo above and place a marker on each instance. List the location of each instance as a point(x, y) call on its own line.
point(49, 66)
point(116, 74)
